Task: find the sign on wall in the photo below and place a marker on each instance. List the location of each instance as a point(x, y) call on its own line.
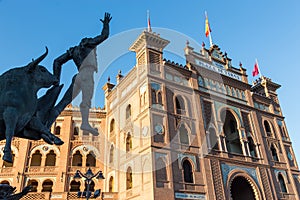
point(190, 196)
point(218, 69)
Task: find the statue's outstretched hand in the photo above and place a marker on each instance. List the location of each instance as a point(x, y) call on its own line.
point(106, 19)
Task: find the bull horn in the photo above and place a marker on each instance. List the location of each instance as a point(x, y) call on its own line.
point(39, 59)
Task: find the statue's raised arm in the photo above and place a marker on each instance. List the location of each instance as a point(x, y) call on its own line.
point(104, 33)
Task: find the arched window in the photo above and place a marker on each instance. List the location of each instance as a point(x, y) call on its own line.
point(75, 186)
point(128, 178)
point(231, 132)
point(282, 183)
point(251, 147)
point(47, 186)
point(128, 143)
point(91, 160)
point(153, 96)
point(180, 106)
point(161, 171)
point(92, 186)
point(128, 111)
point(156, 97)
point(187, 171)
point(5, 182)
point(183, 135)
point(8, 164)
point(111, 154)
point(34, 185)
point(76, 131)
point(111, 184)
point(112, 125)
point(50, 159)
point(77, 159)
point(57, 130)
point(267, 128)
point(281, 129)
point(159, 98)
point(274, 153)
point(36, 159)
point(213, 139)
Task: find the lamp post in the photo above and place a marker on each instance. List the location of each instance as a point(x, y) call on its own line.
point(88, 176)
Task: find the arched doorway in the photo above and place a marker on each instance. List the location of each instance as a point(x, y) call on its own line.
point(5, 182)
point(47, 186)
point(34, 185)
point(241, 189)
point(75, 186)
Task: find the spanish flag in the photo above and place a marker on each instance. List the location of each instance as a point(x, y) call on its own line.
point(207, 27)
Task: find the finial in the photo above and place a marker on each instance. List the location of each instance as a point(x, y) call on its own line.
point(187, 42)
point(240, 64)
point(108, 79)
point(120, 72)
point(203, 44)
point(225, 54)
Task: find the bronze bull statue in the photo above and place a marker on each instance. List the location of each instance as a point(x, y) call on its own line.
point(22, 114)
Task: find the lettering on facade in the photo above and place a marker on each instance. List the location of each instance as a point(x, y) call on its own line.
point(190, 196)
point(219, 69)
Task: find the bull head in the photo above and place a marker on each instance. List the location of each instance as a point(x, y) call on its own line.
point(31, 66)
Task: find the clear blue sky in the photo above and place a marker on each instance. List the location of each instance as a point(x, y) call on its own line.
point(266, 30)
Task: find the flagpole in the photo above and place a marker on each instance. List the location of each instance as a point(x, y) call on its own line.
point(148, 21)
point(209, 35)
point(260, 74)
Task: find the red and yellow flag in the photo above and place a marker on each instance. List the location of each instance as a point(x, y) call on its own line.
point(207, 27)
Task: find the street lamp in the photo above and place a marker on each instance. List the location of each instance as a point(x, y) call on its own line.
point(89, 175)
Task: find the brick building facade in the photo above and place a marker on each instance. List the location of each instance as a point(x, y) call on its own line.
point(168, 131)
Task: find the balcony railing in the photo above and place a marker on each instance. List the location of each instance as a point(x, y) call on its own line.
point(63, 195)
point(180, 111)
point(39, 169)
point(7, 170)
point(37, 196)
